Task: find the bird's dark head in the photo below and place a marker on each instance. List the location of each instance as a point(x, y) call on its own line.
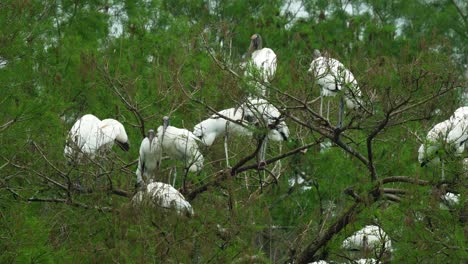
point(255, 42)
point(316, 54)
point(125, 146)
point(165, 122)
point(151, 136)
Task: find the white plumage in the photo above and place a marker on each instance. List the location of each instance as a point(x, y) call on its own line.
point(445, 138)
point(208, 130)
point(366, 261)
point(181, 144)
point(370, 237)
point(260, 111)
point(451, 199)
point(266, 115)
point(89, 136)
point(262, 66)
point(150, 155)
point(333, 77)
point(460, 113)
point(165, 196)
point(264, 61)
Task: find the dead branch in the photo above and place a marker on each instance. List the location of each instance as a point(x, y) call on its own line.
point(77, 204)
point(404, 179)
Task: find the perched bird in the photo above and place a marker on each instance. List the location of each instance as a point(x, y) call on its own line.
point(150, 155)
point(262, 65)
point(232, 122)
point(445, 139)
point(180, 144)
point(450, 199)
point(209, 129)
point(366, 261)
point(370, 237)
point(163, 195)
point(460, 113)
point(334, 78)
point(90, 136)
point(265, 115)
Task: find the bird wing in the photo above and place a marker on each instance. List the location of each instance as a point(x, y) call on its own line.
point(110, 130)
point(85, 133)
point(265, 61)
point(141, 159)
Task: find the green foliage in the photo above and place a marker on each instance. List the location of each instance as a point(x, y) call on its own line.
point(59, 61)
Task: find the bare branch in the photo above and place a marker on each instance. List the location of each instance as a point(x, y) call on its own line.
point(405, 179)
point(77, 204)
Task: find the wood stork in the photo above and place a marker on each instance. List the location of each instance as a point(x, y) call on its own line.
point(371, 237)
point(90, 136)
point(366, 261)
point(450, 199)
point(208, 130)
point(334, 78)
point(443, 140)
point(180, 144)
point(150, 156)
point(262, 65)
point(266, 115)
point(159, 194)
point(460, 113)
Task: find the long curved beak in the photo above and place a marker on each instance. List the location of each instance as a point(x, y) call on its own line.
point(125, 146)
point(150, 138)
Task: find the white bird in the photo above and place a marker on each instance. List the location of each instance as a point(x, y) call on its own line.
point(266, 115)
point(366, 261)
point(262, 66)
point(444, 139)
point(150, 155)
point(333, 78)
point(451, 199)
point(180, 144)
point(90, 136)
point(165, 196)
point(370, 237)
point(460, 113)
point(208, 130)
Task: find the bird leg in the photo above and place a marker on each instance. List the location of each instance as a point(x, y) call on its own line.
point(328, 110)
point(226, 145)
point(277, 168)
point(261, 153)
point(443, 172)
point(321, 104)
point(340, 113)
point(246, 178)
point(175, 176)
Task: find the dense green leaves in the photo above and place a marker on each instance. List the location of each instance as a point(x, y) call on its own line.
point(137, 61)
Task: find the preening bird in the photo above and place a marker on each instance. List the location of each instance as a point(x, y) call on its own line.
point(150, 155)
point(163, 195)
point(209, 129)
point(262, 64)
point(180, 144)
point(445, 139)
point(90, 136)
point(334, 78)
point(370, 237)
point(217, 125)
point(265, 115)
